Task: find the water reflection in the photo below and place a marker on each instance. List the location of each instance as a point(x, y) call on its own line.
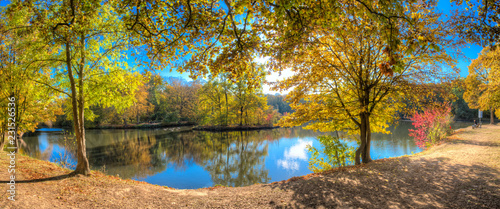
point(129, 153)
point(194, 159)
point(294, 154)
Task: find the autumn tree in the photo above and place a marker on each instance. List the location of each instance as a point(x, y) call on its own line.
point(155, 89)
point(181, 99)
point(460, 109)
point(279, 103)
point(141, 106)
point(248, 95)
point(483, 83)
point(200, 36)
point(354, 73)
point(223, 102)
point(19, 70)
point(479, 22)
point(214, 97)
point(194, 36)
point(89, 40)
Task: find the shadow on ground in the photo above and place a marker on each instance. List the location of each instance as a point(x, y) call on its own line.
point(478, 143)
point(404, 183)
point(53, 178)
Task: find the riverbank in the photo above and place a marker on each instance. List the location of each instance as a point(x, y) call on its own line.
point(232, 128)
point(145, 126)
point(175, 125)
point(463, 172)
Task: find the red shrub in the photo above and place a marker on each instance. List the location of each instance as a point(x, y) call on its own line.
point(431, 125)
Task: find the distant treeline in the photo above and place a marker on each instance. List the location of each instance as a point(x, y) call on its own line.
point(217, 102)
point(449, 92)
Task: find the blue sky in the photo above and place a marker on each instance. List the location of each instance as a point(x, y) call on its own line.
point(470, 51)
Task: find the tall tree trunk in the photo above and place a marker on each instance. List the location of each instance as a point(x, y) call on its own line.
point(180, 109)
point(137, 112)
point(16, 105)
point(246, 117)
point(362, 137)
point(492, 119)
point(363, 151)
point(366, 154)
point(82, 166)
point(227, 105)
point(2, 132)
point(220, 110)
point(241, 116)
point(3, 129)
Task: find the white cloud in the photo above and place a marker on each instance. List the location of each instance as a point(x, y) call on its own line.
point(274, 77)
point(298, 151)
point(293, 154)
point(288, 164)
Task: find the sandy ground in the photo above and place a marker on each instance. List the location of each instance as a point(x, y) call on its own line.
point(463, 172)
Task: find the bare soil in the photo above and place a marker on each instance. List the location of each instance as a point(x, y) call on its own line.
point(462, 172)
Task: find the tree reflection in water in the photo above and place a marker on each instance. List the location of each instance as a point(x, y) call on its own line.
point(231, 158)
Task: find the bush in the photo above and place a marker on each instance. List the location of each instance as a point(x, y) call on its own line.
point(431, 126)
point(338, 154)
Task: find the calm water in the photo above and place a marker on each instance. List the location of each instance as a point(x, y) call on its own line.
point(196, 159)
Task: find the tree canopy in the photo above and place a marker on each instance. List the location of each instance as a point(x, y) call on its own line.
point(351, 79)
point(483, 82)
point(479, 22)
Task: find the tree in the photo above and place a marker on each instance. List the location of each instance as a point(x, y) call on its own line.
point(482, 84)
point(89, 41)
point(19, 50)
point(181, 99)
point(247, 94)
point(460, 109)
point(279, 103)
point(141, 106)
point(155, 90)
point(213, 98)
point(203, 37)
point(347, 74)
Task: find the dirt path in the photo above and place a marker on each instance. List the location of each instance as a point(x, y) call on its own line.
point(462, 173)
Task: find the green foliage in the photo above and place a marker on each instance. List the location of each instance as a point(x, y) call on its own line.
point(223, 102)
point(337, 154)
point(459, 108)
point(279, 103)
point(20, 48)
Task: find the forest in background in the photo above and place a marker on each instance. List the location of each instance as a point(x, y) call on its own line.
point(173, 100)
